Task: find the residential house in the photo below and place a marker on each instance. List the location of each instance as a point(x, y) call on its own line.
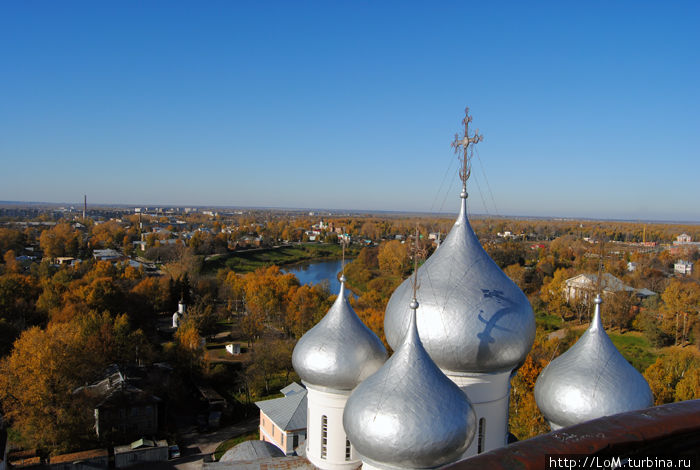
point(122, 410)
point(107, 254)
point(283, 420)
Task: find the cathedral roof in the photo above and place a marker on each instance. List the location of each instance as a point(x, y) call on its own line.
point(590, 380)
point(409, 414)
point(473, 318)
point(340, 351)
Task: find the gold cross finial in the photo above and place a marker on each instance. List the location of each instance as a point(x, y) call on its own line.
point(461, 146)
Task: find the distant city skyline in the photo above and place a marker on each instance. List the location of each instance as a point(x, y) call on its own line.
point(587, 110)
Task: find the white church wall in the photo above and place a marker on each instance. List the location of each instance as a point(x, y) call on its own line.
point(331, 405)
point(489, 394)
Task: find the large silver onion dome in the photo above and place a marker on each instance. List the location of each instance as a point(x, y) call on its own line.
point(409, 414)
point(340, 351)
point(473, 318)
point(590, 380)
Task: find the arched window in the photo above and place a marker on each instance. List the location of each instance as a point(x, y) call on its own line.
point(348, 449)
point(324, 436)
point(482, 436)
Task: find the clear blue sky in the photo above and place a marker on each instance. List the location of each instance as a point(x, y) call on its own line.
point(587, 108)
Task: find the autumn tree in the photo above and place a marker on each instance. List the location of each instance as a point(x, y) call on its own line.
point(621, 308)
point(270, 358)
point(60, 240)
point(304, 310)
point(265, 293)
point(11, 239)
point(233, 291)
point(18, 296)
point(674, 376)
point(516, 273)
point(36, 385)
point(188, 347)
point(681, 303)
point(153, 291)
point(393, 258)
point(525, 419)
point(553, 293)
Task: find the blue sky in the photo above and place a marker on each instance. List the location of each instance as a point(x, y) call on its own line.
point(588, 109)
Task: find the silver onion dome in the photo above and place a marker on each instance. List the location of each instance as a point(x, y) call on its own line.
point(473, 318)
point(409, 414)
point(590, 380)
point(340, 351)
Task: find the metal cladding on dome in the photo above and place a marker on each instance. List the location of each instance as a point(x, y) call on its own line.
point(473, 318)
point(590, 380)
point(409, 414)
point(340, 351)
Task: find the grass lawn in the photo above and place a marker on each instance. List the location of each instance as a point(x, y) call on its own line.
point(635, 348)
point(226, 445)
point(548, 322)
point(248, 261)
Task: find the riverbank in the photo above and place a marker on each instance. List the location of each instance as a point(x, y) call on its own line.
point(250, 260)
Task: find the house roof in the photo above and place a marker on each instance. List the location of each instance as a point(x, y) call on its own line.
point(292, 388)
point(609, 284)
point(251, 450)
point(84, 455)
point(277, 463)
point(115, 389)
point(288, 413)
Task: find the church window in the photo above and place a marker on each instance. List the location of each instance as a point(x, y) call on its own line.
point(347, 449)
point(482, 436)
point(324, 436)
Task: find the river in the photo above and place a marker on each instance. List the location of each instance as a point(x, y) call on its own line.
point(314, 272)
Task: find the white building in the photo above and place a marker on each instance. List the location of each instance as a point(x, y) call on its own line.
point(474, 322)
point(332, 358)
point(179, 315)
point(583, 287)
point(683, 267)
point(684, 238)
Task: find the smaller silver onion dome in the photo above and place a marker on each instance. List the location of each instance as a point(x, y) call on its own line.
point(409, 414)
point(340, 351)
point(473, 318)
point(590, 380)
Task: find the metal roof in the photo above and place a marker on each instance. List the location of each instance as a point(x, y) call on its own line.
point(409, 414)
point(340, 351)
point(292, 388)
point(251, 450)
point(288, 413)
point(473, 318)
point(590, 380)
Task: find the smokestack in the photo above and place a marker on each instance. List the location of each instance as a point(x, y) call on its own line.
point(84, 206)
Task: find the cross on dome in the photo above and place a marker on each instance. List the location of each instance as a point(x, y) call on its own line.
point(461, 146)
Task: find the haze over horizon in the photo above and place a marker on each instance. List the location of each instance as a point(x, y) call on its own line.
point(587, 110)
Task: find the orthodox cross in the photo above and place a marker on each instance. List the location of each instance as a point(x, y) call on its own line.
point(461, 146)
point(342, 244)
point(416, 253)
point(600, 284)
